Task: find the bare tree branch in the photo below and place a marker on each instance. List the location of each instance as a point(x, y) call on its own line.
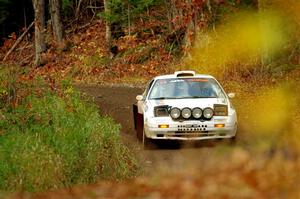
point(18, 41)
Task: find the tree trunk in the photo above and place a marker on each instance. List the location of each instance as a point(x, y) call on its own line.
point(78, 10)
point(39, 24)
point(265, 57)
point(128, 18)
point(169, 11)
point(108, 37)
point(189, 34)
point(55, 6)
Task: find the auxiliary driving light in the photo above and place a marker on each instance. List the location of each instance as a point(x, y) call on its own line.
point(175, 113)
point(208, 113)
point(197, 113)
point(186, 113)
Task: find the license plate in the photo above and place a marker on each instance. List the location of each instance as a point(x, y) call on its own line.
point(191, 125)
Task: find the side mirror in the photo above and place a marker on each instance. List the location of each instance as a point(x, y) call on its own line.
point(139, 97)
point(231, 95)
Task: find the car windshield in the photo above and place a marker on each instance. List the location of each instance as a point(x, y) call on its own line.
point(181, 88)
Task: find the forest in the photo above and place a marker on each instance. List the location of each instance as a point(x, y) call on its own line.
point(70, 71)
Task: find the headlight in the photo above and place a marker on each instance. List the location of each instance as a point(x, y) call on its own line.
point(208, 113)
point(161, 111)
point(197, 113)
point(175, 113)
point(186, 113)
point(221, 110)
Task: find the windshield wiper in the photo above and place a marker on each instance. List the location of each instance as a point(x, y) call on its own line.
point(161, 98)
point(184, 97)
point(194, 97)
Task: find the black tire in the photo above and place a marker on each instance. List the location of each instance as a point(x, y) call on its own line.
point(233, 140)
point(139, 135)
point(138, 123)
point(230, 141)
point(147, 142)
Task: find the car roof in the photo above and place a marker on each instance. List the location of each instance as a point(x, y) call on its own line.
point(191, 74)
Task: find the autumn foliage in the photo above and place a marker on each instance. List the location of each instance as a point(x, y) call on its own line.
point(252, 47)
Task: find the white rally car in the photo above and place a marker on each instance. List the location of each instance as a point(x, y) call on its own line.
point(184, 106)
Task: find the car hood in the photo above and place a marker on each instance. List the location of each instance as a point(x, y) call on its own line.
point(191, 103)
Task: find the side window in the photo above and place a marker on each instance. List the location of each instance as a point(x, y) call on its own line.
point(148, 88)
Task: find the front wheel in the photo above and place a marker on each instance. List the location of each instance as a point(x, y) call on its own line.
point(233, 140)
point(147, 142)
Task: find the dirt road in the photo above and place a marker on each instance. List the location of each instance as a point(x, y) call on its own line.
point(188, 170)
point(116, 101)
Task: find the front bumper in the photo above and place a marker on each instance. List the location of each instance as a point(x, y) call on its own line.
point(190, 129)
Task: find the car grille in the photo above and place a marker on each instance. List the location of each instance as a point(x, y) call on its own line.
point(191, 128)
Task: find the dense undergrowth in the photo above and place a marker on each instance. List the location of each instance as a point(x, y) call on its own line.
point(51, 137)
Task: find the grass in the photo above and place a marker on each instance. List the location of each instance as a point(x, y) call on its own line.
point(54, 138)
